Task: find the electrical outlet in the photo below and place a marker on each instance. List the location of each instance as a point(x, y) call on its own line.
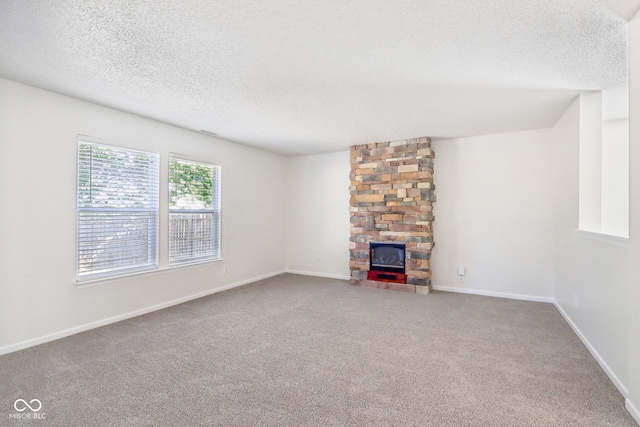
point(226, 269)
point(460, 279)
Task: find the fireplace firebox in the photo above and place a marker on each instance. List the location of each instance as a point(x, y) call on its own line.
point(387, 262)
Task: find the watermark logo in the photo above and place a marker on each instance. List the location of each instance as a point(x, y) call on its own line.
point(34, 405)
point(21, 405)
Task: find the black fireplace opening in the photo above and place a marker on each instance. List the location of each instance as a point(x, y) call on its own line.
point(386, 256)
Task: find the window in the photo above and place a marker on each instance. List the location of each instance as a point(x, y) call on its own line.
point(194, 211)
point(604, 164)
point(117, 211)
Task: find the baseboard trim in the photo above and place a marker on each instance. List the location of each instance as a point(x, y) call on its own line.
point(493, 294)
point(632, 410)
point(612, 376)
point(635, 413)
point(315, 274)
point(86, 327)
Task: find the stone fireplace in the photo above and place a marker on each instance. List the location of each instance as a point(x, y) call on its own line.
point(392, 195)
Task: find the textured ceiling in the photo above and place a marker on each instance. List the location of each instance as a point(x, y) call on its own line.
point(299, 77)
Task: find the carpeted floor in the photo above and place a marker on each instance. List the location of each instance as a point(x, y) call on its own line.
point(296, 351)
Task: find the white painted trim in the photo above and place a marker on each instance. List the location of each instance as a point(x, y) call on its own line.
point(493, 294)
point(160, 270)
point(82, 328)
point(314, 274)
point(72, 331)
point(612, 376)
point(632, 410)
point(604, 237)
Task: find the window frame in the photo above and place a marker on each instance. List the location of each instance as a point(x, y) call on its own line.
point(173, 260)
point(149, 256)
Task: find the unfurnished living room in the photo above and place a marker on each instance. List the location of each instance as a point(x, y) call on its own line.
point(311, 213)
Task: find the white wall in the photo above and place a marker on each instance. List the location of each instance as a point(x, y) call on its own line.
point(318, 214)
point(37, 216)
point(591, 271)
point(493, 214)
point(615, 177)
point(590, 153)
point(507, 210)
point(633, 293)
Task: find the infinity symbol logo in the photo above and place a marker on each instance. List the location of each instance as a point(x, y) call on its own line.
point(26, 405)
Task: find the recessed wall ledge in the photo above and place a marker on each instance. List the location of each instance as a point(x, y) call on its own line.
point(604, 237)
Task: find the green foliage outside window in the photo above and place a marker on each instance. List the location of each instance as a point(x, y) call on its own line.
point(190, 185)
point(110, 177)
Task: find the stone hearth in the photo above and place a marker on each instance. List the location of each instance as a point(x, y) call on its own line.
point(392, 195)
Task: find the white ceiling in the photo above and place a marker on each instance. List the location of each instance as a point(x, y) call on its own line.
point(301, 77)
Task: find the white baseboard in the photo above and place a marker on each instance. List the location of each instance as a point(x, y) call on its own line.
point(314, 274)
point(82, 328)
point(612, 376)
point(635, 413)
point(493, 294)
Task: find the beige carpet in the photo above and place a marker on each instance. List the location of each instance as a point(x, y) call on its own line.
point(295, 350)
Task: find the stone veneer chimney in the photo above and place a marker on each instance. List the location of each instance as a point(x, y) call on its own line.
point(392, 195)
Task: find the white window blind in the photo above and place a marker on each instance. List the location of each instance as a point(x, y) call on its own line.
point(194, 211)
point(117, 211)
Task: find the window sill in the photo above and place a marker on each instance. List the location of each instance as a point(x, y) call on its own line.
point(603, 237)
point(190, 263)
point(103, 280)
